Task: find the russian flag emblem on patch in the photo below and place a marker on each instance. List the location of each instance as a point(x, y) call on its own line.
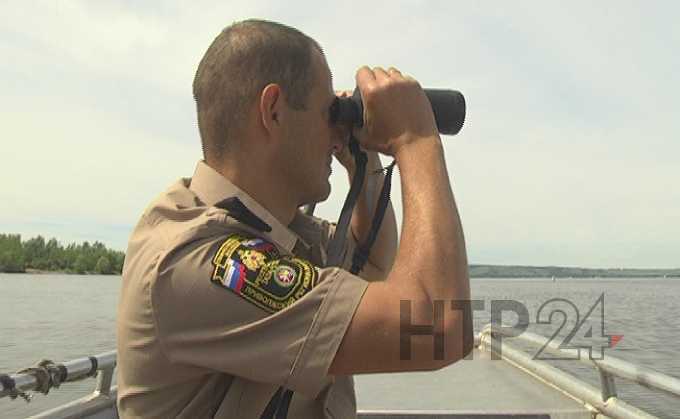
point(235, 275)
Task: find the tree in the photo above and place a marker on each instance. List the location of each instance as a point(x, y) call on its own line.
point(117, 260)
point(35, 253)
point(103, 266)
point(11, 253)
point(55, 255)
point(70, 255)
point(50, 255)
point(80, 266)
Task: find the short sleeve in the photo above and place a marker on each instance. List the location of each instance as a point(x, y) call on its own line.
point(235, 305)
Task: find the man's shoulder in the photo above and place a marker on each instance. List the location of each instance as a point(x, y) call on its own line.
point(173, 199)
point(175, 219)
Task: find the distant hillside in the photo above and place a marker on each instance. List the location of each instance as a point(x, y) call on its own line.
point(40, 255)
point(512, 271)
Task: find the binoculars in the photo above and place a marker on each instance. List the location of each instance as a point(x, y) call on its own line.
point(448, 107)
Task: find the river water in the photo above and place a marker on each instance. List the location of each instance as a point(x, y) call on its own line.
point(63, 317)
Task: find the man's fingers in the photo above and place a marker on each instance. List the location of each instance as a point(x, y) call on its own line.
point(365, 77)
point(393, 71)
point(343, 93)
point(380, 73)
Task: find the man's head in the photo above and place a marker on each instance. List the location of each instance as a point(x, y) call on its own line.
point(264, 89)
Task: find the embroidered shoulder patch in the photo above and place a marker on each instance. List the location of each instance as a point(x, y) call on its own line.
point(254, 269)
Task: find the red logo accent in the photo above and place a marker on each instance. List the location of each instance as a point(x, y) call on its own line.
point(615, 339)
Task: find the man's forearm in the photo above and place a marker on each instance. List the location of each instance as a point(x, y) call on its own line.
point(432, 247)
point(384, 249)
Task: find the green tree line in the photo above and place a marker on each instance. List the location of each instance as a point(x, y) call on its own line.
point(36, 253)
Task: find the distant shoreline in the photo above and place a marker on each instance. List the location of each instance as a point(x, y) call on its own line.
point(515, 271)
point(498, 271)
point(38, 256)
point(43, 272)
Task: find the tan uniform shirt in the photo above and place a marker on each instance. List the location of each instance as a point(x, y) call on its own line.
point(215, 314)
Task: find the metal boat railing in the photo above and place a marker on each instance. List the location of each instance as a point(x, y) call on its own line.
point(103, 397)
point(603, 401)
point(44, 378)
point(101, 366)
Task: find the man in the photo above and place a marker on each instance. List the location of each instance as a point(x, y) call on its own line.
point(226, 297)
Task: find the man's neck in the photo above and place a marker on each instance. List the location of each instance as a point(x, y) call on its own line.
point(267, 190)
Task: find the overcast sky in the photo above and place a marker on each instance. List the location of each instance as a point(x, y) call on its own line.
point(569, 155)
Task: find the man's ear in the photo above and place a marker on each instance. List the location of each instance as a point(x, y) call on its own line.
point(272, 106)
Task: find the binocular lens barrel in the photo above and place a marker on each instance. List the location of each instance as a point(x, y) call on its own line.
point(448, 107)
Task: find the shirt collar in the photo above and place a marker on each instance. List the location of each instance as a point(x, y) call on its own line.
point(211, 187)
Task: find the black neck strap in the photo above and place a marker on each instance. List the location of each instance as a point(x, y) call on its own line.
point(337, 243)
point(363, 249)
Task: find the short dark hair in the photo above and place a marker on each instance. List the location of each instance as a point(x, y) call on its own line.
point(239, 63)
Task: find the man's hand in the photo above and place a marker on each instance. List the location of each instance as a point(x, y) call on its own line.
point(396, 111)
point(384, 249)
point(344, 156)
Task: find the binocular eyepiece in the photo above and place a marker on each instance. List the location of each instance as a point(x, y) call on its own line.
point(448, 107)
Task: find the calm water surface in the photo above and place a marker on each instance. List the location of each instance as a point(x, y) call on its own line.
point(63, 317)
